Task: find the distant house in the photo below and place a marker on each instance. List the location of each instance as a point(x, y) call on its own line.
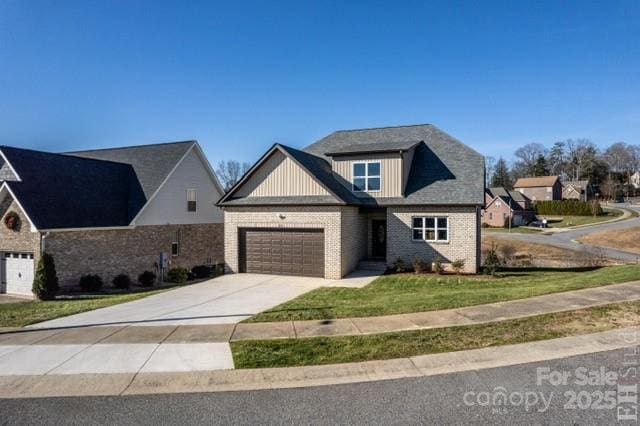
point(577, 190)
point(635, 180)
point(540, 188)
point(502, 204)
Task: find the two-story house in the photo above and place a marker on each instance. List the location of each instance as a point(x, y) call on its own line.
point(541, 188)
point(577, 190)
point(503, 205)
point(106, 212)
point(386, 193)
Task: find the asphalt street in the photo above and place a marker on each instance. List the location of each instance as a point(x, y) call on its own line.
point(567, 239)
point(585, 389)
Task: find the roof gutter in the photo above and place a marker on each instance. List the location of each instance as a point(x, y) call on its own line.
point(94, 228)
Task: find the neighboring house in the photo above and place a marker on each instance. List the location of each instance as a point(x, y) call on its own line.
point(635, 180)
point(540, 188)
point(577, 190)
point(107, 211)
point(502, 204)
point(386, 193)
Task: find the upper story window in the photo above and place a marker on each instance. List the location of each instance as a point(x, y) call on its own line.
point(366, 176)
point(191, 200)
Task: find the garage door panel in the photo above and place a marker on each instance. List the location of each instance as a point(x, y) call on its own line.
point(282, 251)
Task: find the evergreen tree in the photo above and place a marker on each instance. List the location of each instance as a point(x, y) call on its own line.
point(540, 167)
point(45, 283)
point(501, 175)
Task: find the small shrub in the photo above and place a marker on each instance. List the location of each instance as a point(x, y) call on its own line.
point(122, 281)
point(438, 268)
point(147, 279)
point(202, 271)
point(399, 265)
point(177, 275)
point(485, 225)
point(457, 265)
point(420, 267)
point(45, 282)
point(90, 282)
point(190, 276)
point(492, 262)
point(218, 269)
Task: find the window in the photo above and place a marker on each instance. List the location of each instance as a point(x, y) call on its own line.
point(549, 189)
point(191, 200)
point(366, 177)
point(430, 228)
point(175, 243)
point(490, 216)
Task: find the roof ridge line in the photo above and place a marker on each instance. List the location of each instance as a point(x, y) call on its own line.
point(66, 155)
point(134, 146)
point(383, 127)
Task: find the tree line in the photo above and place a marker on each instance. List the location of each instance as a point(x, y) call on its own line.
point(609, 169)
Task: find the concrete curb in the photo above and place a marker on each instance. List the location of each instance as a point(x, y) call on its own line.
point(276, 378)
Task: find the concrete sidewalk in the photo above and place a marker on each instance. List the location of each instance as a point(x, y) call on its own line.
point(479, 314)
point(27, 386)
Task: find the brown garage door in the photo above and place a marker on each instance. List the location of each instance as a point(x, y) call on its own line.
point(282, 251)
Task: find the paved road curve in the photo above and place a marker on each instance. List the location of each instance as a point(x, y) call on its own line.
point(459, 398)
point(567, 239)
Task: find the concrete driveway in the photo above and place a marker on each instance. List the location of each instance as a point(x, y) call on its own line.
point(224, 300)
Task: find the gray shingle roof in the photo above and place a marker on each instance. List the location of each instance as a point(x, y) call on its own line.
point(401, 146)
point(100, 188)
point(444, 170)
point(152, 163)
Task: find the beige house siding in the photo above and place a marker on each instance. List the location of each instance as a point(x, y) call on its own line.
point(131, 251)
point(463, 236)
point(340, 238)
point(280, 176)
point(390, 170)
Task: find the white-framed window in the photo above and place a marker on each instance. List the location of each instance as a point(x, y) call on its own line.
point(175, 243)
point(430, 228)
point(490, 216)
point(191, 200)
point(549, 189)
point(366, 176)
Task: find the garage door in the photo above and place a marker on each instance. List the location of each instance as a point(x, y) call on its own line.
point(17, 272)
point(282, 251)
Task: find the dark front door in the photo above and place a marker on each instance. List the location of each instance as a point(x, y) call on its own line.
point(379, 238)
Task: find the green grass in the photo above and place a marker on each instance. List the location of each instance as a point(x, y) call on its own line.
point(568, 221)
point(330, 350)
point(403, 293)
point(20, 314)
point(515, 230)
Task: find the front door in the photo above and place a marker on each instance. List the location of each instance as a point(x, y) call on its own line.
point(379, 238)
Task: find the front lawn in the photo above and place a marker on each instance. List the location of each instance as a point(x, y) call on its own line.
point(330, 350)
point(514, 230)
point(404, 293)
point(23, 313)
point(568, 221)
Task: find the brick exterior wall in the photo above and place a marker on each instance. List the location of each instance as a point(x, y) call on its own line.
point(542, 193)
point(131, 251)
point(464, 236)
point(22, 240)
point(496, 215)
point(354, 238)
point(344, 243)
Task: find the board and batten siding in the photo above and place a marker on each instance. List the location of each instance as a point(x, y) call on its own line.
point(390, 170)
point(280, 176)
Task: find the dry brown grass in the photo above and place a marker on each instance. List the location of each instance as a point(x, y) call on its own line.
point(524, 253)
point(622, 239)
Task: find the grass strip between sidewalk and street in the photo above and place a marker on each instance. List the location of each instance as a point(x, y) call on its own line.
point(22, 313)
point(406, 293)
point(341, 349)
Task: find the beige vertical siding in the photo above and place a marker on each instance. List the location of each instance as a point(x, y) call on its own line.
point(280, 176)
point(390, 170)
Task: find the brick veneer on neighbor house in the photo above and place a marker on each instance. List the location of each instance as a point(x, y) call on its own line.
point(464, 234)
point(21, 240)
point(337, 236)
point(131, 251)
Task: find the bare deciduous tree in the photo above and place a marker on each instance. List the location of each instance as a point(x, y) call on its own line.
point(230, 171)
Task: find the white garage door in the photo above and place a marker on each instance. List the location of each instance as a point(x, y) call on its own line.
point(17, 272)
